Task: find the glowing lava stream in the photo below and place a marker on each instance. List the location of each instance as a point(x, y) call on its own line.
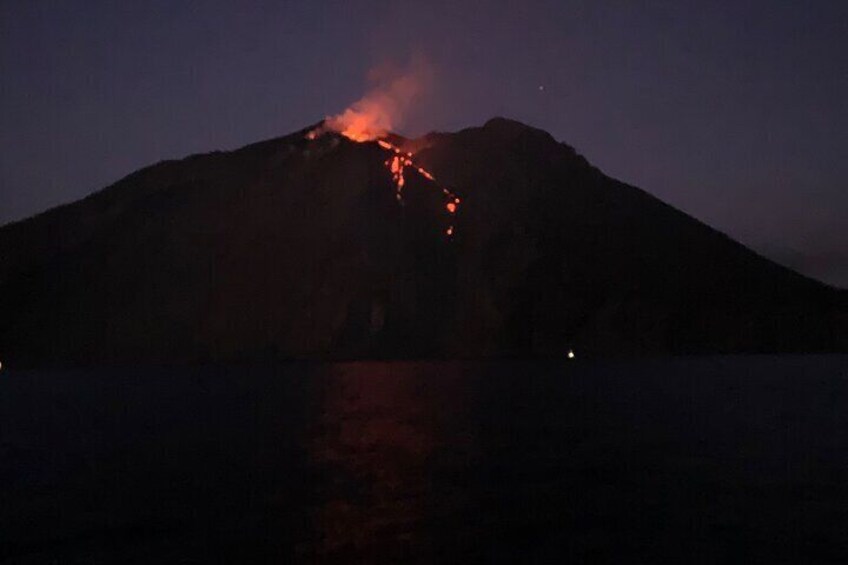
point(398, 163)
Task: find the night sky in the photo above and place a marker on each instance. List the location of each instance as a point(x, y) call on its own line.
point(735, 112)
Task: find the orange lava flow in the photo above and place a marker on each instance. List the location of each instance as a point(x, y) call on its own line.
point(397, 165)
point(358, 125)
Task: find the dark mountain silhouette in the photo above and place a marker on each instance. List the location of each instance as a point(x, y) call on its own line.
point(297, 248)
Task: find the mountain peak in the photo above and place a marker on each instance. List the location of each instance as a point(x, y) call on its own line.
point(513, 128)
point(500, 122)
point(326, 248)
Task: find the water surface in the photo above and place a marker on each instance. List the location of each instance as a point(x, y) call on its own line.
point(695, 460)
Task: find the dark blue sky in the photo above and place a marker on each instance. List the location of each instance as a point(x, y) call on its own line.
point(735, 112)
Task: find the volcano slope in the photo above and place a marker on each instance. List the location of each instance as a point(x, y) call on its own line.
point(300, 248)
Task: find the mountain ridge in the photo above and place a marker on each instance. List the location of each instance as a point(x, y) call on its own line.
point(297, 248)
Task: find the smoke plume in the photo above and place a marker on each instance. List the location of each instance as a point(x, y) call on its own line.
point(384, 107)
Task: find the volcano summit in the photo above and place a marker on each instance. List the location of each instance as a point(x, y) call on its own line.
point(491, 241)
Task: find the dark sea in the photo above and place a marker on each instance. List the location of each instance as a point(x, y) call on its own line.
point(701, 460)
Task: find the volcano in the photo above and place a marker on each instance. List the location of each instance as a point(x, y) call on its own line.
point(491, 241)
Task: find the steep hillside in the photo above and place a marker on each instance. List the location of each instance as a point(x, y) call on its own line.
point(298, 247)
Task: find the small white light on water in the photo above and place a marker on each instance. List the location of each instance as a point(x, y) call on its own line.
point(571, 354)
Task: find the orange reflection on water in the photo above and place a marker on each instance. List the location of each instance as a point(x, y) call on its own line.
point(377, 432)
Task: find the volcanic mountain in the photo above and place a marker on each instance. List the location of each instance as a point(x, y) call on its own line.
point(309, 246)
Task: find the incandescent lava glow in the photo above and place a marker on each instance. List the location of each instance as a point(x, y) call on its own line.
point(383, 108)
point(359, 126)
point(399, 162)
point(372, 118)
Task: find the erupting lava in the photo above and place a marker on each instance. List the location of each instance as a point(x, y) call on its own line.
point(397, 164)
point(371, 119)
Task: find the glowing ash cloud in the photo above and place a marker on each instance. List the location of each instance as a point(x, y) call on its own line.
point(376, 114)
point(384, 107)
